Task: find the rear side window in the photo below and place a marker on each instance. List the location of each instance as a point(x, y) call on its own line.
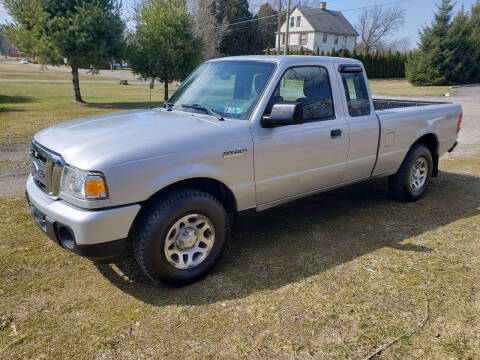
point(356, 93)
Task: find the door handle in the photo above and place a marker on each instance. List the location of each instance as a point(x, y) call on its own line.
point(335, 133)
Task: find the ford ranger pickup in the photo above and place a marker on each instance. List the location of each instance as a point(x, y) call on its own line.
point(240, 133)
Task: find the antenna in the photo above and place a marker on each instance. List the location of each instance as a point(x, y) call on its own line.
point(149, 66)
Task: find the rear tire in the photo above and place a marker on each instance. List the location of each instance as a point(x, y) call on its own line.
point(181, 237)
point(411, 180)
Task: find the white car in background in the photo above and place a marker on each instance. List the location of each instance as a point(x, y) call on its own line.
point(24, 61)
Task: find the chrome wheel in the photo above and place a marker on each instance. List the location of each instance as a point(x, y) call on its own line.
point(418, 174)
point(189, 241)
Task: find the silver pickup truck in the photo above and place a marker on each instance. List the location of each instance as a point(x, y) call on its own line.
point(240, 133)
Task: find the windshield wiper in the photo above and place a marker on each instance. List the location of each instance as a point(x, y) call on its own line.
point(204, 109)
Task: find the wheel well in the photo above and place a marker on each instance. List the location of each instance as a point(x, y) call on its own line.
point(431, 142)
point(208, 185)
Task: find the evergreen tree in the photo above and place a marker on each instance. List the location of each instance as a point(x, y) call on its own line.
point(461, 50)
point(242, 38)
point(84, 33)
point(429, 65)
point(163, 46)
point(474, 22)
point(266, 26)
point(354, 54)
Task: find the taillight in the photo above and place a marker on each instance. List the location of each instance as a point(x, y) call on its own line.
point(460, 119)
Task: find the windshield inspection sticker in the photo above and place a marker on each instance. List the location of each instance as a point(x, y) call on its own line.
point(233, 110)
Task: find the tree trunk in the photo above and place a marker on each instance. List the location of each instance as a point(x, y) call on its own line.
point(165, 85)
point(76, 85)
point(152, 83)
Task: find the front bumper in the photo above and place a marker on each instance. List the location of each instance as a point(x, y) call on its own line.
point(97, 234)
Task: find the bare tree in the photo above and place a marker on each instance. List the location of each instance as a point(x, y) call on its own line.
point(376, 24)
point(402, 45)
point(207, 27)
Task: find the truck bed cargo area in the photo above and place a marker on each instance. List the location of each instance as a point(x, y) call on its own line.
point(386, 104)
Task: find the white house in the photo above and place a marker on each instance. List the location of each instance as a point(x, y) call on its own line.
point(318, 27)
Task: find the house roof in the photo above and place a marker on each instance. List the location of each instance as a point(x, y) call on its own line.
point(327, 21)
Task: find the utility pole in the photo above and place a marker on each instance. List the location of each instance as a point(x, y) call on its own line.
point(279, 25)
point(288, 28)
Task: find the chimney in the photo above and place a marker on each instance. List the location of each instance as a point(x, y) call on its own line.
point(323, 5)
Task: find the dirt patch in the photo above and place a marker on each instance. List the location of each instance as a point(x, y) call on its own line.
point(14, 168)
point(17, 151)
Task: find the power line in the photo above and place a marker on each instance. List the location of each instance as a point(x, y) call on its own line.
point(344, 10)
point(247, 17)
point(255, 19)
point(372, 6)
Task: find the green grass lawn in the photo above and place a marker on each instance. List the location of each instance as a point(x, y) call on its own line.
point(334, 276)
point(401, 87)
point(26, 107)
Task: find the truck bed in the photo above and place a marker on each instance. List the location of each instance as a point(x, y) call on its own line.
point(386, 104)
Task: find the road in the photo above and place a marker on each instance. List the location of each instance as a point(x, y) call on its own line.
point(116, 74)
point(469, 98)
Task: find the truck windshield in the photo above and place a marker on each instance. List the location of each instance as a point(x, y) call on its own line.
point(229, 88)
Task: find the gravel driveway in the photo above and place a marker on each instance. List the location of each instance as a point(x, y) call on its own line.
point(14, 166)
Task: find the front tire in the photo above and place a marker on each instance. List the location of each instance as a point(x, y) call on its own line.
point(181, 237)
point(412, 179)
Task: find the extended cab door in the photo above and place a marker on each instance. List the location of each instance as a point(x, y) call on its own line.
point(297, 159)
point(364, 124)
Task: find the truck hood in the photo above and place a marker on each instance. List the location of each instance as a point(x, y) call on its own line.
point(130, 135)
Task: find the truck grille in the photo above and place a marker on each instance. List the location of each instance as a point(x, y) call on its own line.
point(46, 168)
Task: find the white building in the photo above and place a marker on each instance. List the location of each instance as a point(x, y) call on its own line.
point(318, 27)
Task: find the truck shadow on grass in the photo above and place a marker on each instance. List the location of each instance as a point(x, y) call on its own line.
point(298, 240)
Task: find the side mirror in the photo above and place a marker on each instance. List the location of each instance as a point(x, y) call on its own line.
point(284, 113)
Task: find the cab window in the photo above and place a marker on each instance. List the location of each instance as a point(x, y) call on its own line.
point(309, 86)
point(356, 93)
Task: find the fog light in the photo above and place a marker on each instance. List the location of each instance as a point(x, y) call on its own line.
point(66, 238)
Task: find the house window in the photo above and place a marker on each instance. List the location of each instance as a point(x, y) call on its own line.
point(344, 42)
point(335, 40)
point(303, 39)
point(298, 21)
point(292, 21)
point(325, 38)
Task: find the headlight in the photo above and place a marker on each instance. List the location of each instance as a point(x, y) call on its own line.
point(83, 184)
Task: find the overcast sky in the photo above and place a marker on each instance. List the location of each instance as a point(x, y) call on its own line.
point(417, 12)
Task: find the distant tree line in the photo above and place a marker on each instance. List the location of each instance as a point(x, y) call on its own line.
point(378, 65)
point(449, 50)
